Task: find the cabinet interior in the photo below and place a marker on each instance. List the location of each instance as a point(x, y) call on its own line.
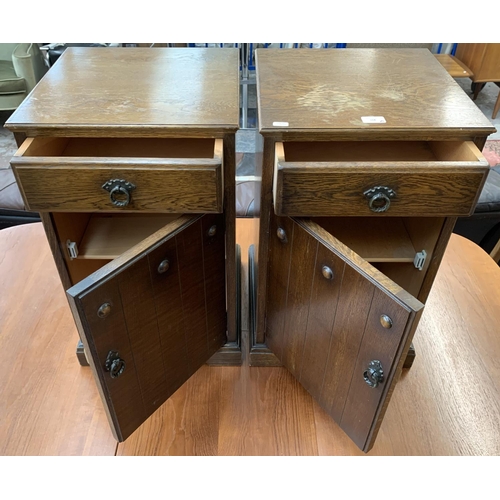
point(397, 151)
point(121, 147)
point(101, 237)
point(389, 243)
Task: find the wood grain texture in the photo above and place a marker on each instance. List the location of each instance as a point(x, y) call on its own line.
point(334, 89)
point(309, 328)
point(262, 250)
point(374, 239)
point(482, 58)
point(360, 265)
point(52, 407)
point(59, 411)
point(107, 236)
point(314, 190)
point(365, 405)
point(278, 280)
point(179, 189)
point(344, 337)
point(195, 330)
point(453, 66)
point(158, 90)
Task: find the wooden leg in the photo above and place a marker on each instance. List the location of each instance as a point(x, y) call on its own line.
point(80, 354)
point(477, 88)
point(496, 108)
point(230, 353)
point(410, 357)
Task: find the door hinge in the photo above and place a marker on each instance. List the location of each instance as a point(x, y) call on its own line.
point(72, 249)
point(419, 260)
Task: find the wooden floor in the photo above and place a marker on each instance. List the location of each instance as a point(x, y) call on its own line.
point(447, 404)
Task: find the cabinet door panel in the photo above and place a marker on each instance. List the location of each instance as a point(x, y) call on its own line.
point(332, 327)
point(278, 270)
point(163, 325)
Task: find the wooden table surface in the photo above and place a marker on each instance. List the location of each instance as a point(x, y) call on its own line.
point(447, 404)
point(331, 90)
point(137, 91)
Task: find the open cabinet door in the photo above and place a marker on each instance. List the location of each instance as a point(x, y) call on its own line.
point(340, 326)
point(150, 318)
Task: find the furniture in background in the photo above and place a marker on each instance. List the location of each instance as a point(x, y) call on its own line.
point(138, 205)
point(483, 226)
point(21, 68)
point(484, 61)
point(356, 210)
point(12, 209)
point(454, 67)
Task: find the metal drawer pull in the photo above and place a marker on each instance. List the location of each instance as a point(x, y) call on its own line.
point(114, 364)
point(379, 198)
point(374, 375)
point(164, 266)
point(327, 273)
point(119, 191)
point(281, 235)
point(212, 231)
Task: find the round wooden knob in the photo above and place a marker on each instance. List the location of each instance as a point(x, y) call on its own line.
point(104, 310)
point(281, 234)
point(327, 273)
point(386, 321)
point(164, 266)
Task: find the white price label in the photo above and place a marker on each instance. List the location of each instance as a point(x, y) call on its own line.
point(280, 124)
point(373, 119)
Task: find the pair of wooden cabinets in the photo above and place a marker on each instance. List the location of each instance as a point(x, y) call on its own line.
point(369, 157)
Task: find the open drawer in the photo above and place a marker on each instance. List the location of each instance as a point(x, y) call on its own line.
point(111, 174)
point(152, 316)
point(339, 325)
point(400, 178)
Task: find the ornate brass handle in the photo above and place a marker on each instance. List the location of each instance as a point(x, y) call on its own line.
point(114, 364)
point(119, 191)
point(374, 374)
point(379, 198)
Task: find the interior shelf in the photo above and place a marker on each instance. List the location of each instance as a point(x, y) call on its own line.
point(109, 235)
point(375, 239)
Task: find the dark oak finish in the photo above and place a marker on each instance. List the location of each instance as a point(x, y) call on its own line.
point(328, 355)
point(186, 184)
point(161, 342)
point(334, 183)
point(334, 89)
point(153, 92)
point(54, 408)
point(319, 157)
point(164, 120)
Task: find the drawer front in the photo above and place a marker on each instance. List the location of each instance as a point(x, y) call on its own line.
point(418, 188)
point(177, 185)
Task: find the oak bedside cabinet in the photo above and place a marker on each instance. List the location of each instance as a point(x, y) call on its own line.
point(129, 156)
point(369, 157)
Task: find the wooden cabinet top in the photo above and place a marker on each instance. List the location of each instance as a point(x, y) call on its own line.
point(126, 91)
point(329, 91)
